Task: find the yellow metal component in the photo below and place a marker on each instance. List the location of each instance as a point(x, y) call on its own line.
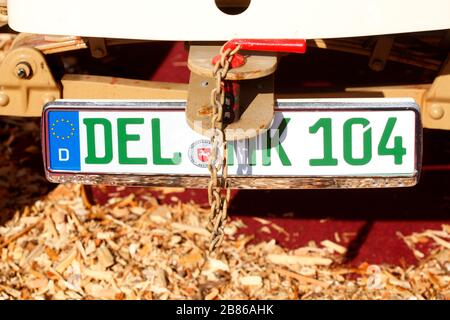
point(3, 13)
point(49, 44)
point(26, 83)
point(436, 101)
point(77, 86)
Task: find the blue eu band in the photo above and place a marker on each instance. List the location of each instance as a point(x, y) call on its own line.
point(64, 140)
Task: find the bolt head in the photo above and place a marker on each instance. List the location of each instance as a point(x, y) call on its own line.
point(436, 112)
point(4, 99)
point(21, 73)
point(23, 70)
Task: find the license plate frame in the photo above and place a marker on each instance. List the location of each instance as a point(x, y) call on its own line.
point(261, 181)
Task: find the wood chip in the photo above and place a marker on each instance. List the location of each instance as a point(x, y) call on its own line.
point(138, 210)
point(254, 281)
point(279, 229)
point(192, 259)
point(38, 250)
point(213, 294)
point(334, 246)
point(20, 234)
point(180, 227)
point(104, 256)
point(262, 221)
point(119, 212)
point(98, 275)
point(216, 265)
point(80, 249)
point(100, 292)
point(337, 237)
point(66, 261)
point(37, 283)
point(301, 278)
point(265, 229)
point(439, 241)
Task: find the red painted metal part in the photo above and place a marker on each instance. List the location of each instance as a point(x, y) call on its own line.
point(237, 61)
point(264, 45)
point(231, 103)
point(268, 45)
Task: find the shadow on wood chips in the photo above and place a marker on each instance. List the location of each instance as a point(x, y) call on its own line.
point(429, 200)
point(22, 179)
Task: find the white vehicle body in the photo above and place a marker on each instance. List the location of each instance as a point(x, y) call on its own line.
point(201, 20)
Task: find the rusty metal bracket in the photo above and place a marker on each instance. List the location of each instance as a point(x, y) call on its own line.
point(26, 83)
point(256, 104)
point(255, 97)
point(80, 86)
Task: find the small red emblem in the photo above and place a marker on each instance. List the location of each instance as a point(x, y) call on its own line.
point(203, 154)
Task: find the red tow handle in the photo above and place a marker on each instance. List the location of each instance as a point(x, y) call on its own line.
point(270, 45)
point(266, 45)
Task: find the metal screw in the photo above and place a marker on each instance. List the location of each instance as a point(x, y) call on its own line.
point(21, 73)
point(204, 84)
point(23, 70)
point(436, 112)
point(4, 99)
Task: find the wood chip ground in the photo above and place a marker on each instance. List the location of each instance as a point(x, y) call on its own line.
point(59, 248)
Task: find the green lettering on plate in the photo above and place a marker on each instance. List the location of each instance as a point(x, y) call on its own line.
point(156, 141)
point(278, 147)
point(123, 137)
point(92, 157)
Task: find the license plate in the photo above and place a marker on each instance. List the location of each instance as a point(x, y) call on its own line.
point(321, 143)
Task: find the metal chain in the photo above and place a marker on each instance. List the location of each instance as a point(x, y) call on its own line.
point(218, 189)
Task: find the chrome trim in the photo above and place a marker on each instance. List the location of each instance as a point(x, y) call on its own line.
point(259, 182)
